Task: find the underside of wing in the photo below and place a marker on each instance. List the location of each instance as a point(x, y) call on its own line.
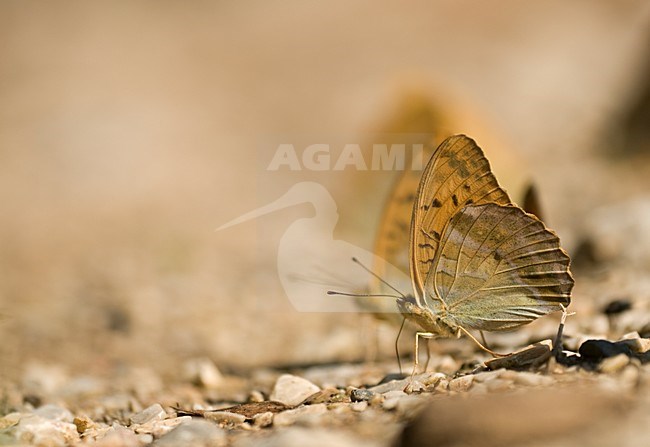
point(498, 268)
point(457, 175)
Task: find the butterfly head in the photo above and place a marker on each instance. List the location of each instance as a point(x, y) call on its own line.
point(425, 318)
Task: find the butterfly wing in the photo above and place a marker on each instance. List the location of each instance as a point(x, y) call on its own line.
point(457, 174)
point(497, 268)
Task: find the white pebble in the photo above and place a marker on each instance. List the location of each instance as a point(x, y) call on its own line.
point(292, 390)
point(151, 413)
point(462, 383)
point(263, 419)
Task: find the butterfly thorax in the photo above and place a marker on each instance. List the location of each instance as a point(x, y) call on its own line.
point(426, 319)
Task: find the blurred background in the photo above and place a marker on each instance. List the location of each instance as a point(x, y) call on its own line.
point(129, 131)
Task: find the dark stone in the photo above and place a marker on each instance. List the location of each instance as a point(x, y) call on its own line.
point(596, 350)
point(361, 394)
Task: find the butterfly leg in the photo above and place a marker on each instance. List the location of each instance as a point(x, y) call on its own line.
point(485, 343)
point(401, 328)
point(426, 364)
point(425, 335)
point(488, 350)
point(557, 343)
point(428, 336)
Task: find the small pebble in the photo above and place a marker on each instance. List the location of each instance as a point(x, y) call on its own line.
point(292, 390)
point(263, 419)
point(37, 430)
point(462, 383)
point(361, 394)
point(359, 406)
point(83, 423)
point(224, 417)
point(431, 378)
point(9, 420)
point(153, 412)
point(203, 372)
point(415, 386)
point(256, 396)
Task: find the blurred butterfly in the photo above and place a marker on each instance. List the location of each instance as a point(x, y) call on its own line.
point(476, 260)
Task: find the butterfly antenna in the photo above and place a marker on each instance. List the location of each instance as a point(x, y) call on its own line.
point(354, 259)
point(335, 292)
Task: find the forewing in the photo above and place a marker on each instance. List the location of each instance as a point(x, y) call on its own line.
point(458, 174)
point(498, 268)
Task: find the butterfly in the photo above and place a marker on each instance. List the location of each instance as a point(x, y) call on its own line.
point(476, 260)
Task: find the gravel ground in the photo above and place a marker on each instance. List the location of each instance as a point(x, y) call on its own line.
point(595, 396)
